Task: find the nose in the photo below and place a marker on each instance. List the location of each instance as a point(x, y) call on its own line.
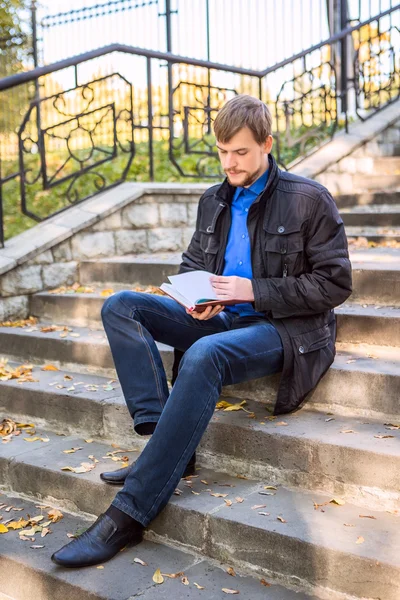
point(230, 161)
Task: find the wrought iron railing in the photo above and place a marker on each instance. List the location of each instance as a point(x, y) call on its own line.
point(84, 129)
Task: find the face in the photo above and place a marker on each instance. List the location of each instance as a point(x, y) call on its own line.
point(243, 159)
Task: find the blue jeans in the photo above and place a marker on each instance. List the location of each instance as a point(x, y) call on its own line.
point(220, 351)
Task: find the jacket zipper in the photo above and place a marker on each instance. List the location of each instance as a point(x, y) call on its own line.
point(285, 270)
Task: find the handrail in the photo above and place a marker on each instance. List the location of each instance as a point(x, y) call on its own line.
point(20, 78)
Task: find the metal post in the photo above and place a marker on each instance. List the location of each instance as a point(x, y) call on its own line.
point(37, 93)
point(208, 71)
point(343, 61)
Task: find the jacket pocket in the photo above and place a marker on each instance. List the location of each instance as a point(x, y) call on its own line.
point(284, 248)
point(311, 341)
point(209, 241)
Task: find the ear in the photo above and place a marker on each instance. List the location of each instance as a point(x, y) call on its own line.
point(267, 146)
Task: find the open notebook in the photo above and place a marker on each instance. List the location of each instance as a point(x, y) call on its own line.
point(193, 290)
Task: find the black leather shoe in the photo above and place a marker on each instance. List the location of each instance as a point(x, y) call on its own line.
point(99, 543)
point(118, 477)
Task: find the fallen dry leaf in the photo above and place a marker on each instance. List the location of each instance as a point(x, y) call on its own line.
point(173, 575)
point(256, 506)
point(50, 368)
point(36, 547)
point(239, 499)
point(107, 292)
point(139, 561)
point(231, 571)
point(270, 487)
point(281, 519)
point(348, 431)
point(337, 501)
point(228, 591)
point(3, 528)
point(228, 502)
point(218, 495)
point(367, 517)
point(55, 515)
point(157, 577)
point(185, 581)
point(199, 587)
point(281, 423)
point(383, 437)
point(263, 582)
point(360, 540)
point(72, 450)
point(100, 567)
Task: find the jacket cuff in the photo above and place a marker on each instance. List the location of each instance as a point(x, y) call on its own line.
point(261, 293)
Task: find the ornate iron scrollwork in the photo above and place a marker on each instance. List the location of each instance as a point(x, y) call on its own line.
point(306, 107)
point(67, 139)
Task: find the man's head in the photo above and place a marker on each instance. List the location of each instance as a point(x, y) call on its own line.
point(243, 129)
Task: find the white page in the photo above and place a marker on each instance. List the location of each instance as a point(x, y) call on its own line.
point(194, 285)
point(167, 287)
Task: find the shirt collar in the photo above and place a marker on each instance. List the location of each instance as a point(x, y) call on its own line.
point(256, 187)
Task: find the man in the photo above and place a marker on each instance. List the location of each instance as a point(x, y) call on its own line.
point(276, 242)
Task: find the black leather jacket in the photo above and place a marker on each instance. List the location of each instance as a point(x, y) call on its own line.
point(301, 269)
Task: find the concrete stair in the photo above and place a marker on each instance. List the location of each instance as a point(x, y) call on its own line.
point(308, 544)
point(343, 444)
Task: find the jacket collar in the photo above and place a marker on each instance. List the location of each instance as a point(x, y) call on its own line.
point(227, 191)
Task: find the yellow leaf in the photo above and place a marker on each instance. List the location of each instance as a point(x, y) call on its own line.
point(199, 587)
point(157, 577)
point(55, 515)
point(3, 528)
point(223, 404)
point(49, 368)
point(270, 487)
point(89, 441)
point(17, 524)
point(108, 292)
point(337, 501)
point(360, 540)
point(100, 567)
point(32, 439)
point(37, 519)
point(228, 591)
point(235, 406)
point(72, 450)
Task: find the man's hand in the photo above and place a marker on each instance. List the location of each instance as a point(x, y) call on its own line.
point(207, 313)
point(232, 288)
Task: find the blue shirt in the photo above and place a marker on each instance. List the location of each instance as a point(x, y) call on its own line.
point(238, 251)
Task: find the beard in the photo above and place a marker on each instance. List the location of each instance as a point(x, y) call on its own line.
point(248, 178)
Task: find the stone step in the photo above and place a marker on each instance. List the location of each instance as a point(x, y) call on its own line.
point(367, 198)
point(365, 550)
point(35, 577)
point(364, 380)
point(376, 276)
point(356, 323)
point(376, 273)
point(378, 235)
point(369, 324)
point(367, 165)
point(376, 181)
point(339, 455)
point(378, 215)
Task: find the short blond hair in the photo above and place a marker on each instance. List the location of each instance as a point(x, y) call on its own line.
point(243, 111)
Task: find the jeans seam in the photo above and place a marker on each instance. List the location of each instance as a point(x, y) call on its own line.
point(153, 365)
point(195, 430)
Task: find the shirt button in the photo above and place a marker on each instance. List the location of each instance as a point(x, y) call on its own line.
point(246, 209)
point(281, 229)
point(283, 250)
point(301, 349)
point(243, 236)
point(240, 262)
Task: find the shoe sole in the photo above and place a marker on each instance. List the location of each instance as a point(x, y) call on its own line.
point(133, 542)
point(188, 472)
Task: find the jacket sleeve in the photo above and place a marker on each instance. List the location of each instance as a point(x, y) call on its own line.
point(329, 282)
point(192, 258)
